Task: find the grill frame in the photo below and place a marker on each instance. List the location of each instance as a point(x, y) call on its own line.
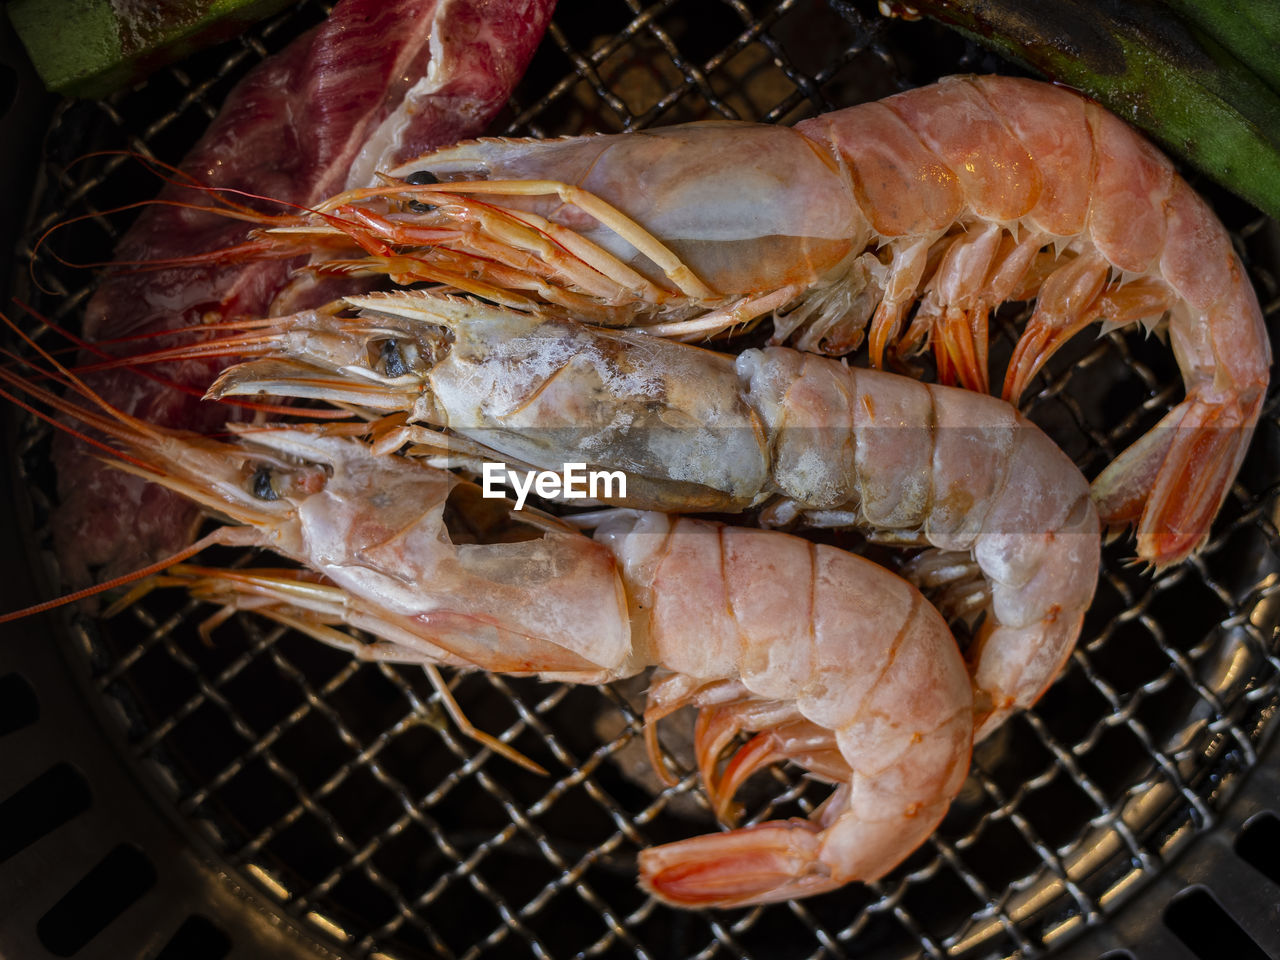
point(101, 661)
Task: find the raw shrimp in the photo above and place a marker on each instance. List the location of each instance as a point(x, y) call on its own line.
point(959, 196)
point(1015, 532)
point(836, 663)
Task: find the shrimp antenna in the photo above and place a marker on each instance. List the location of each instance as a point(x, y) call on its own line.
point(75, 383)
point(136, 364)
point(224, 203)
point(223, 536)
point(175, 176)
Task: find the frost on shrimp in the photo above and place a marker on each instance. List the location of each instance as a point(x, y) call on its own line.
point(696, 430)
point(959, 197)
point(860, 682)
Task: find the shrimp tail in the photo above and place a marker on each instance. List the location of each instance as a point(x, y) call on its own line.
point(785, 859)
point(1148, 486)
point(782, 859)
point(777, 860)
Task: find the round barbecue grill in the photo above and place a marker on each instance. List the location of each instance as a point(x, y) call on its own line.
point(258, 794)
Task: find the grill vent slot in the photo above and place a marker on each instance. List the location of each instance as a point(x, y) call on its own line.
point(103, 894)
point(43, 805)
point(197, 939)
point(1259, 845)
point(18, 705)
point(1199, 921)
point(8, 88)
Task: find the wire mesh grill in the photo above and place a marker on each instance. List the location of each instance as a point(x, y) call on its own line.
point(340, 790)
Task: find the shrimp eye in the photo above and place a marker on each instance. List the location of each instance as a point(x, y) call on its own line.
point(419, 178)
point(392, 359)
point(261, 486)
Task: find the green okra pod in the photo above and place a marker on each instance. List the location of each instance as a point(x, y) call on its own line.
point(1250, 29)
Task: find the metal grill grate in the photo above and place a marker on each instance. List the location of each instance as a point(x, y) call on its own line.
point(340, 790)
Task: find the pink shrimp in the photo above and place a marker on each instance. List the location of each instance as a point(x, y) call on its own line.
point(1014, 533)
point(959, 196)
point(860, 682)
